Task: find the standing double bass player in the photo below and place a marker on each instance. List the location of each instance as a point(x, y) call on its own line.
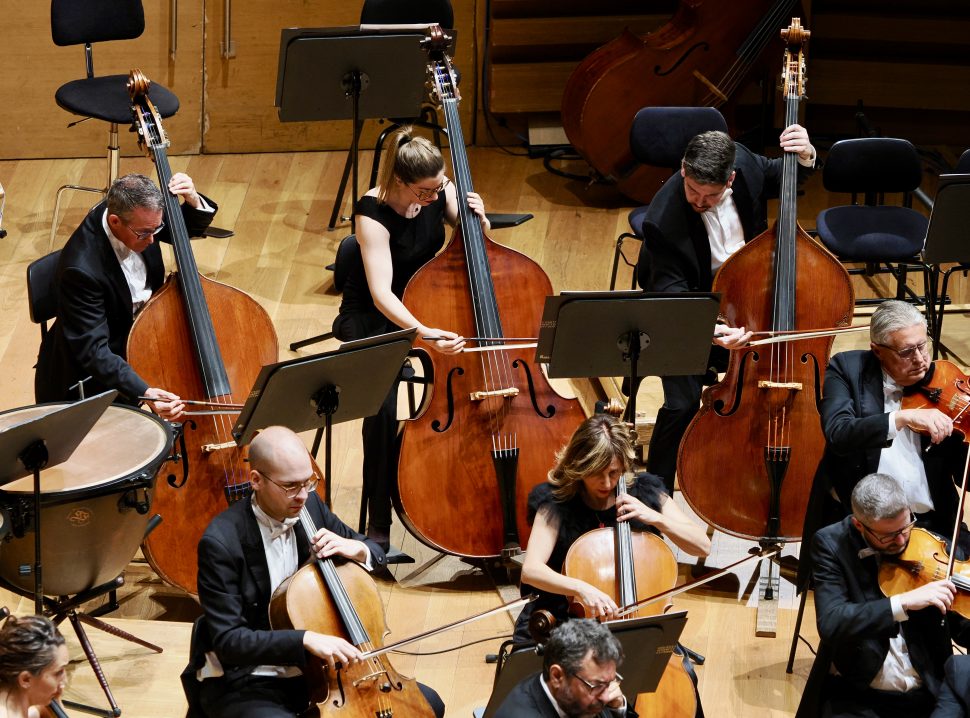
point(700, 217)
point(107, 271)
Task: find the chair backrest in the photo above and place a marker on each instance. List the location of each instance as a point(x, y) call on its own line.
point(348, 255)
point(81, 22)
point(42, 289)
point(872, 165)
point(963, 164)
point(402, 12)
point(659, 135)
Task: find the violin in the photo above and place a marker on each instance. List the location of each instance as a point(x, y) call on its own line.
point(946, 388)
point(342, 600)
point(629, 565)
point(924, 560)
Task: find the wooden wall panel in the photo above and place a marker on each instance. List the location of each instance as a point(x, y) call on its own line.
point(240, 92)
point(32, 68)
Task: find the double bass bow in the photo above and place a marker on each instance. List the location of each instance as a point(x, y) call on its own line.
point(177, 341)
point(492, 422)
point(698, 59)
point(747, 460)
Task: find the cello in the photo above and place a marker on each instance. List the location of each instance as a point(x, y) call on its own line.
point(698, 59)
point(176, 342)
point(492, 421)
point(748, 458)
point(629, 566)
point(342, 600)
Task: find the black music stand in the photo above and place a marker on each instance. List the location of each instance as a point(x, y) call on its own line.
point(636, 334)
point(342, 73)
point(319, 391)
point(947, 240)
point(28, 448)
point(647, 646)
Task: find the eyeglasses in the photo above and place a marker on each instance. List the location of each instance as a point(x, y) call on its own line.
point(142, 236)
point(886, 538)
point(909, 353)
point(292, 490)
point(599, 686)
point(426, 194)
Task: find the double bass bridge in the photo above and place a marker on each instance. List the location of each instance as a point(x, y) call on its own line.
point(507, 393)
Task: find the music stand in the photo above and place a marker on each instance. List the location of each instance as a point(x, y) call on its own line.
point(353, 73)
point(319, 391)
point(946, 242)
point(647, 646)
point(637, 334)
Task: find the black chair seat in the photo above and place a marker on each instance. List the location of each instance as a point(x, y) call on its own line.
point(636, 219)
point(860, 233)
point(106, 98)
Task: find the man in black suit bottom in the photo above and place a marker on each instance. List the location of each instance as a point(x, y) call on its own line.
point(954, 698)
point(878, 657)
point(246, 668)
point(578, 678)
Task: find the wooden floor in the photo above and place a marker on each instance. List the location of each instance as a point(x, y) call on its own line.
point(279, 205)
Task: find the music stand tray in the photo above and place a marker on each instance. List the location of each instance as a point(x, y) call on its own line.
point(647, 646)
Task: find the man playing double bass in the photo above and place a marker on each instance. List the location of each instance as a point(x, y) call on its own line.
point(247, 669)
point(108, 270)
point(866, 430)
point(878, 657)
point(699, 218)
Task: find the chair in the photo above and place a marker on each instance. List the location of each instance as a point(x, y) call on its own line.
point(42, 290)
point(658, 137)
point(102, 97)
point(886, 238)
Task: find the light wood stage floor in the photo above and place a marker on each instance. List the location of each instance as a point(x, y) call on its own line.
point(278, 205)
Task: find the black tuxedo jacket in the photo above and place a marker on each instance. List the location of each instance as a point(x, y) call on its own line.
point(676, 254)
point(855, 426)
point(855, 621)
point(528, 699)
point(234, 590)
point(94, 316)
point(954, 698)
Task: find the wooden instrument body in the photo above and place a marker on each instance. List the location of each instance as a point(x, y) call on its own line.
point(614, 82)
point(304, 602)
point(924, 560)
point(948, 389)
point(449, 493)
point(593, 558)
point(162, 350)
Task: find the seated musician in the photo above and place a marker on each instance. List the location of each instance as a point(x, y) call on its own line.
point(866, 430)
point(954, 698)
point(698, 219)
point(878, 656)
point(108, 269)
point(33, 666)
point(400, 226)
point(246, 552)
point(579, 496)
point(579, 677)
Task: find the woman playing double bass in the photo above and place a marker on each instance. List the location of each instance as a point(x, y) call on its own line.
point(400, 226)
point(580, 496)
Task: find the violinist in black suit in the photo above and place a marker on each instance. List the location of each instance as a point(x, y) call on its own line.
point(579, 677)
point(698, 219)
point(878, 657)
point(108, 269)
point(246, 668)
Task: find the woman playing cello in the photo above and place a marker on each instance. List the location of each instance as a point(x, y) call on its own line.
point(33, 666)
point(400, 226)
point(579, 496)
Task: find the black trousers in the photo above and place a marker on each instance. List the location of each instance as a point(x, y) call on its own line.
point(841, 700)
point(249, 696)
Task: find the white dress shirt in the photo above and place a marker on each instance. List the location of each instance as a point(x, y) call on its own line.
point(903, 459)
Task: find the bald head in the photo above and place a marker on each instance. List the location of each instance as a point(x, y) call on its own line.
point(277, 451)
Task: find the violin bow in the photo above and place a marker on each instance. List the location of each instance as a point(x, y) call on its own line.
point(790, 336)
point(441, 629)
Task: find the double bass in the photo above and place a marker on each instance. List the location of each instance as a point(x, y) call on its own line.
point(698, 59)
point(747, 460)
point(630, 566)
point(493, 423)
point(176, 342)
